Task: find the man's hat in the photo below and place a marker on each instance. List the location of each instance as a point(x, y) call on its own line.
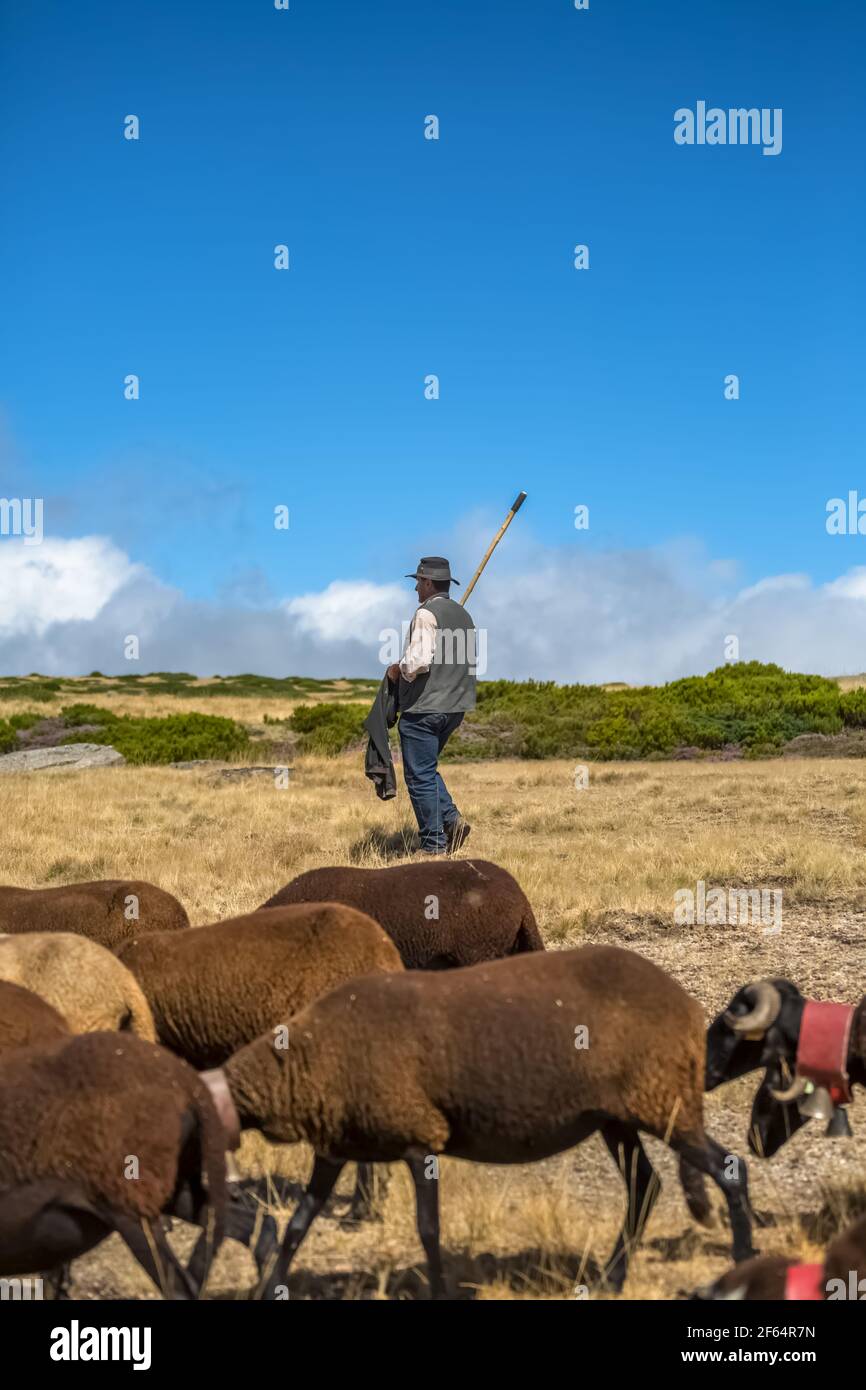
point(433, 567)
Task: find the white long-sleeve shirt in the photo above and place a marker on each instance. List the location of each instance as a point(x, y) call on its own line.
point(420, 645)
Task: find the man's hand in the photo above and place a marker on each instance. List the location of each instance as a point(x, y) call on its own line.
point(393, 671)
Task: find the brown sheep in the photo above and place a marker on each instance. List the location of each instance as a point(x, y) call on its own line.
point(108, 911)
point(214, 989)
point(26, 1020)
point(102, 1134)
point(501, 1063)
point(440, 914)
point(759, 1280)
point(771, 1278)
point(87, 983)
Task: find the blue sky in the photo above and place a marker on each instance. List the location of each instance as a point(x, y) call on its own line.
point(410, 257)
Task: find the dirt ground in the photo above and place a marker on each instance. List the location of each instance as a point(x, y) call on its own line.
point(600, 864)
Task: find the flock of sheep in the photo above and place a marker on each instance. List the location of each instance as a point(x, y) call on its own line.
point(378, 1015)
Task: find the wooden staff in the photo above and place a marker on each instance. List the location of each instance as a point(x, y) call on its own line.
point(515, 507)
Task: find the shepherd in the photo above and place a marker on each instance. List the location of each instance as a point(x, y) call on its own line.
point(436, 676)
point(431, 687)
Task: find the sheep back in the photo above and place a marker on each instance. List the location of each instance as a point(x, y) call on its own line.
point(439, 914)
point(97, 910)
point(85, 982)
point(496, 1057)
point(215, 988)
point(758, 1280)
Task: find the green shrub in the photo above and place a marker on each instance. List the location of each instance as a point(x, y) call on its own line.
point(329, 728)
point(175, 738)
point(88, 714)
point(852, 707)
point(756, 706)
point(41, 693)
point(8, 737)
point(25, 720)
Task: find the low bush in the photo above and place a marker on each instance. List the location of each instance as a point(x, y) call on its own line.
point(174, 738)
point(25, 720)
point(329, 728)
point(757, 707)
point(41, 693)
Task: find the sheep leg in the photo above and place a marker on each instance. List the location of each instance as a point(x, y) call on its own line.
point(361, 1206)
point(241, 1219)
point(642, 1186)
point(427, 1210)
point(264, 1248)
point(321, 1185)
point(729, 1174)
point(57, 1281)
point(147, 1242)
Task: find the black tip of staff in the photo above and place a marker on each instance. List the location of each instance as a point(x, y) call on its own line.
point(521, 498)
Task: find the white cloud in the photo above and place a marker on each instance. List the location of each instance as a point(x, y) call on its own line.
point(565, 613)
point(58, 581)
point(362, 609)
point(850, 585)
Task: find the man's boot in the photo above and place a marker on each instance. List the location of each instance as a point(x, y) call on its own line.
point(457, 832)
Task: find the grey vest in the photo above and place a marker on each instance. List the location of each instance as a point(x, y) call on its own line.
point(449, 686)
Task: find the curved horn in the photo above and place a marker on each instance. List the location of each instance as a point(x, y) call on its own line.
point(796, 1089)
point(767, 1002)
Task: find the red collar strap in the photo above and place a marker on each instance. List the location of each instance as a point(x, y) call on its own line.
point(804, 1282)
point(822, 1049)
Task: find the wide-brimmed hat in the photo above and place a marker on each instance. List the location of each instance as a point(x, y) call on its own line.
point(433, 567)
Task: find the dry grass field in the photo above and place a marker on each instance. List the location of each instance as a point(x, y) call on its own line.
point(246, 708)
point(601, 865)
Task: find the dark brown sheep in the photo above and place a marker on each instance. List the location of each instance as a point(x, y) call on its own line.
point(26, 1020)
point(766, 1278)
point(499, 1063)
point(108, 911)
point(216, 988)
point(102, 1133)
point(759, 1280)
point(440, 914)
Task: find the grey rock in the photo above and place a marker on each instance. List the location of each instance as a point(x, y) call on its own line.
point(70, 755)
point(234, 774)
point(191, 763)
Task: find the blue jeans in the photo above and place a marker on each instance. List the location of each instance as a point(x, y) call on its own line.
point(422, 738)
